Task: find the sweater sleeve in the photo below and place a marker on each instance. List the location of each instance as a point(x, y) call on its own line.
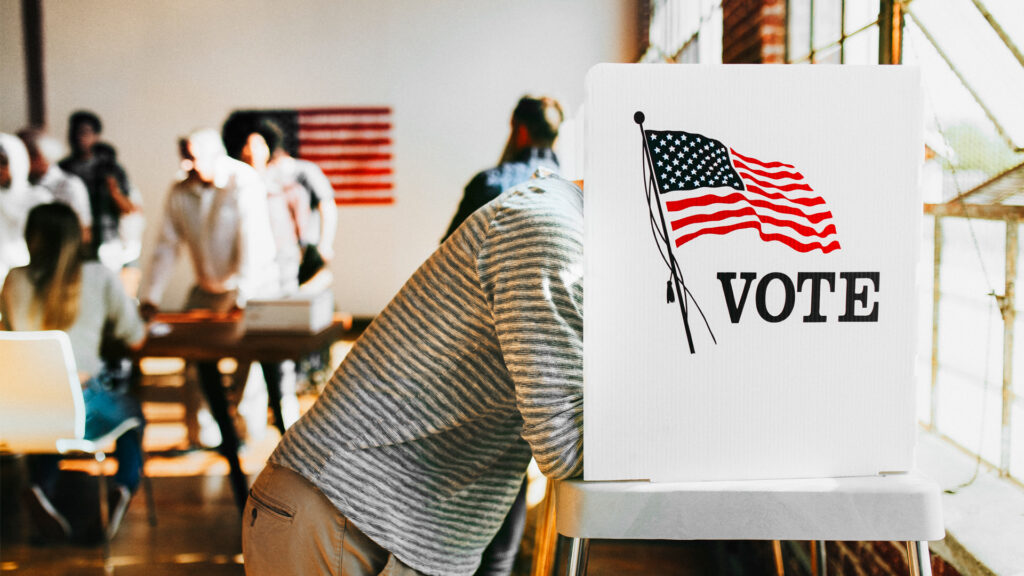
point(531, 266)
point(165, 253)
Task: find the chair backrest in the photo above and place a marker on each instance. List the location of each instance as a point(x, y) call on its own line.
point(40, 394)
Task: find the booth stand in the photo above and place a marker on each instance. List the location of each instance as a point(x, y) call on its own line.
point(752, 238)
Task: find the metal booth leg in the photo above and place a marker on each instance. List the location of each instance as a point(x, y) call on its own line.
point(918, 558)
point(780, 568)
point(578, 557)
point(819, 562)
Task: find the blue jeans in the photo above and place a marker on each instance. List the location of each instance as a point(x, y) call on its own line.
point(104, 410)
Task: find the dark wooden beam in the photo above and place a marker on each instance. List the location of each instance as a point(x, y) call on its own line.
point(32, 30)
point(890, 32)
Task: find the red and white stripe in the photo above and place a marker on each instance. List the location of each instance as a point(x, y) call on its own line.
point(776, 202)
point(354, 148)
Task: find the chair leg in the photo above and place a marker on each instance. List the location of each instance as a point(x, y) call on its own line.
point(104, 512)
point(918, 558)
point(147, 485)
point(578, 557)
point(780, 569)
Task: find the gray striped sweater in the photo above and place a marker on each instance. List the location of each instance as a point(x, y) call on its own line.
point(424, 433)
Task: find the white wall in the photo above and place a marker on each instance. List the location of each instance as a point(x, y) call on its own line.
point(451, 70)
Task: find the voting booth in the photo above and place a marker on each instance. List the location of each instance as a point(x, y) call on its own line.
point(751, 243)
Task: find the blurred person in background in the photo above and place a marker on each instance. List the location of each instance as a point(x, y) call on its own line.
point(43, 171)
point(60, 290)
point(90, 161)
point(305, 191)
point(120, 252)
point(218, 210)
point(17, 198)
point(304, 217)
point(535, 123)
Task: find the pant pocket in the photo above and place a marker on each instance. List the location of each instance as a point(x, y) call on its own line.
point(266, 536)
point(265, 507)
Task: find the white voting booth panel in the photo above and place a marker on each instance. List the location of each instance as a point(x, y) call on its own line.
point(751, 242)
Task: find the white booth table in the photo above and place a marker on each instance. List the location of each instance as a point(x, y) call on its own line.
point(902, 507)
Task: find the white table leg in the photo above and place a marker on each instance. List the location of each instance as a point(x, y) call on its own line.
point(918, 558)
point(578, 557)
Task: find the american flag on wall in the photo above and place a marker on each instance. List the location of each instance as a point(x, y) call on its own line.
point(352, 145)
point(770, 197)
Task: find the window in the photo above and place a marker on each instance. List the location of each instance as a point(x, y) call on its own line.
point(970, 390)
point(832, 31)
point(685, 31)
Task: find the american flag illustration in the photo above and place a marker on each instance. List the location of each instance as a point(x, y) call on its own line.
point(770, 197)
point(352, 145)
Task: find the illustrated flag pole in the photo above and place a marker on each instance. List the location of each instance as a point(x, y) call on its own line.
point(688, 172)
point(676, 274)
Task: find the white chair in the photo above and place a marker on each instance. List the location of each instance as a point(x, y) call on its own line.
point(901, 507)
point(43, 411)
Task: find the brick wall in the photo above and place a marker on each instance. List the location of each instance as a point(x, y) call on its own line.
point(877, 559)
point(743, 558)
point(753, 31)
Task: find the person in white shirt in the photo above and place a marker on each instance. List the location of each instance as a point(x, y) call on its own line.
point(17, 198)
point(43, 171)
point(219, 211)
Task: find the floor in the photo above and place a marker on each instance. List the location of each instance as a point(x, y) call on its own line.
point(198, 529)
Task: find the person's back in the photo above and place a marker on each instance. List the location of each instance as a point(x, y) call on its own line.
point(423, 435)
point(535, 123)
point(57, 290)
point(64, 187)
point(101, 297)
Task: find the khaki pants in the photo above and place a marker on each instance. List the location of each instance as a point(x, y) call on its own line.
point(290, 527)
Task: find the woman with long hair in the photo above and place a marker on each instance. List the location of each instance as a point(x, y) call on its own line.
point(59, 290)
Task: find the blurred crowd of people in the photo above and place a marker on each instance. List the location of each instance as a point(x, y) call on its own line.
point(259, 223)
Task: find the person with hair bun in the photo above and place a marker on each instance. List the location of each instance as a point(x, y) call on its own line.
point(535, 123)
point(60, 290)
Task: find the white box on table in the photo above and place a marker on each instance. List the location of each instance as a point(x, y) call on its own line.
point(303, 312)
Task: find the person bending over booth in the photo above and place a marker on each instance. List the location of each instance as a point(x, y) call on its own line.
point(535, 123)
point(57, 290)
point(411, 458)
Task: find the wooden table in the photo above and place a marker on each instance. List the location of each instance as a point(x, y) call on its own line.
point(201, 335)
point(207, 337)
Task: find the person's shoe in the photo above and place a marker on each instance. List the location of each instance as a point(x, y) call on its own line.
point(50, 525)
point(118, 499)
